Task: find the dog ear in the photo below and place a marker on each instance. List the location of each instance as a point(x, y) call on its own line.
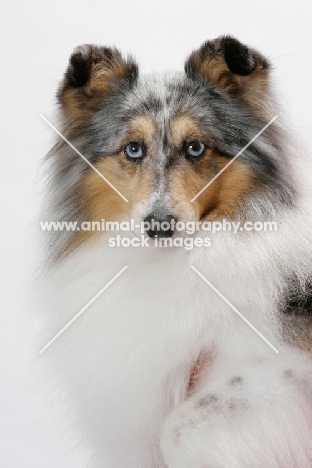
point(92, 73)
point(233, 67)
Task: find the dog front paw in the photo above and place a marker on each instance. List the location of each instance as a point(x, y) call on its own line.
point(194, 434)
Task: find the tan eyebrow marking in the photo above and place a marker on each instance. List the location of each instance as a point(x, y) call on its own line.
point(142, 128)
point(184, 128)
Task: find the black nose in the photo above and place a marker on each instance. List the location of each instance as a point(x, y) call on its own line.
point(160, 227)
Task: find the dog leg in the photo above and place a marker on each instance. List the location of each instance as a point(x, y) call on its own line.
point(259, 416)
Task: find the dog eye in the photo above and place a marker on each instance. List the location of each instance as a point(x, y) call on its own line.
point(195, 148)
point(134, 150)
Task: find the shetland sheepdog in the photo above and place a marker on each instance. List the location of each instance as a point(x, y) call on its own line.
point(191, 357)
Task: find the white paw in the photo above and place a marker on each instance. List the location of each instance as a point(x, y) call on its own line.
point(201, 433)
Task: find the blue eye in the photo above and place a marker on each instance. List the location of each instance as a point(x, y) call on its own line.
point(134, 150)
point(195, 148)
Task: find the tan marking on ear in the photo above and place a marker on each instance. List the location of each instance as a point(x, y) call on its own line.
point(106, 66)
point(102, 78)
point(253, 90)
point(215, 70)
point(74, 105)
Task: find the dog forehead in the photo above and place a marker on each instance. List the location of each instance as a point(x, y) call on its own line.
point(159, 90)
point(168, 100)
point(172, 93)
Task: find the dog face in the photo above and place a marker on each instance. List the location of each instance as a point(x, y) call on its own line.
point(160, 139)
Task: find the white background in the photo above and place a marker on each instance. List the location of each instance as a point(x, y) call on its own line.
point(37, 39)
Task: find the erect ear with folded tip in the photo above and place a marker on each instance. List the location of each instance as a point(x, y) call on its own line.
point(234, 68)
point(92, 74)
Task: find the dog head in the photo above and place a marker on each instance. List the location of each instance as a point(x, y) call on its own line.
point(160, 140)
